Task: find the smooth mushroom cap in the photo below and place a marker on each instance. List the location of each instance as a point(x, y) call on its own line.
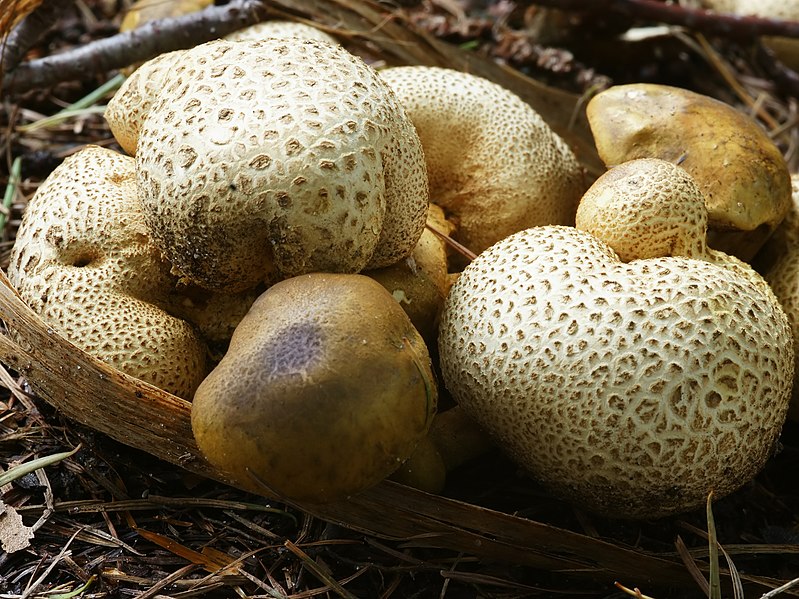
point(740, 171)
point(632, 389)
point(83, 261)
point(326, 389)
point(263, 160)
point(494, 165)
point(266, 29)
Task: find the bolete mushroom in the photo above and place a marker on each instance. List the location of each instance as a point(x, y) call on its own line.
point(262, 160)
point(83, 260)
point(632, 388)
point(326, 389)
point(494, 165)
point(740, 171)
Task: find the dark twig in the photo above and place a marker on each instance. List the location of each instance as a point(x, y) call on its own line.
point(23, 37)
point(706, 21)
point(151, 39)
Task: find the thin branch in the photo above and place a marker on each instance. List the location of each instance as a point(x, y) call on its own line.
point(151, 39)
point(32, 28)
point(706, 21)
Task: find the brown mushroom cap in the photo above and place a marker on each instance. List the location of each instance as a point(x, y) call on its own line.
point(84, 262)
point(263, 160)
point(632, 389)
point(420, 282)
point(739, 170)
point(494, 165)
point(326, 389)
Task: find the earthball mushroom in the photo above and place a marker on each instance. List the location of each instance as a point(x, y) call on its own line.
point(494, 165)
point(631, 388)
point(279, 28)
point(741, 172)
point(83, 260)
point(261, 160)
point(782, 275)
point(325, 390)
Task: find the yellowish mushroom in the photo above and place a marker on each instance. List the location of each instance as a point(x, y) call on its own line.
point(494, 165)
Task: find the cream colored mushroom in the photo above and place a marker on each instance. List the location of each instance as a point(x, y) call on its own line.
point(494, 165)
point(783, 277)
point(83, 260)
point(633, 389)
point(740, 171)
point(267, 29)
point(263, 160)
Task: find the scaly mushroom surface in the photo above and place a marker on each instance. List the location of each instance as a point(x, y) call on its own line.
point(635, 388)
point(494, 165)
point(262, 160)
point(83, 260)
point(741, 172)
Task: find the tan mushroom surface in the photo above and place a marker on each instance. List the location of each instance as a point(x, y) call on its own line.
point(84, 261)
point(740, 171)
point(494, 165)
point(630, 388)
point(420, 282)
point(783, 277)
point(279, 28)
point(326, 389)
point(266, 159)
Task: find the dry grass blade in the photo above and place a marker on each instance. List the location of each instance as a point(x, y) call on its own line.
point(713, 548)
point(690, 564)
point(786, 587)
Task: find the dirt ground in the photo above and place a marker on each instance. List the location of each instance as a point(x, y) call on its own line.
point(112, 521)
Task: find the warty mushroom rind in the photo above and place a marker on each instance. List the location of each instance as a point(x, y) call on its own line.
point(282, 29)
point(741, 172)
point(83, 260)
point(632, 389)
point(494, 165)
point(783, 277)
point(266, 159)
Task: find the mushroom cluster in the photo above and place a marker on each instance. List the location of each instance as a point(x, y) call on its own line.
point(632, 385)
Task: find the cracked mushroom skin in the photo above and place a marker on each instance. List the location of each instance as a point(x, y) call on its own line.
point(84, 262)
point(783, 277)
point(266, 159)
point(326, 389)
point(740, 171)
point(494, 165)
point(632, 389)
point(278, 28)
